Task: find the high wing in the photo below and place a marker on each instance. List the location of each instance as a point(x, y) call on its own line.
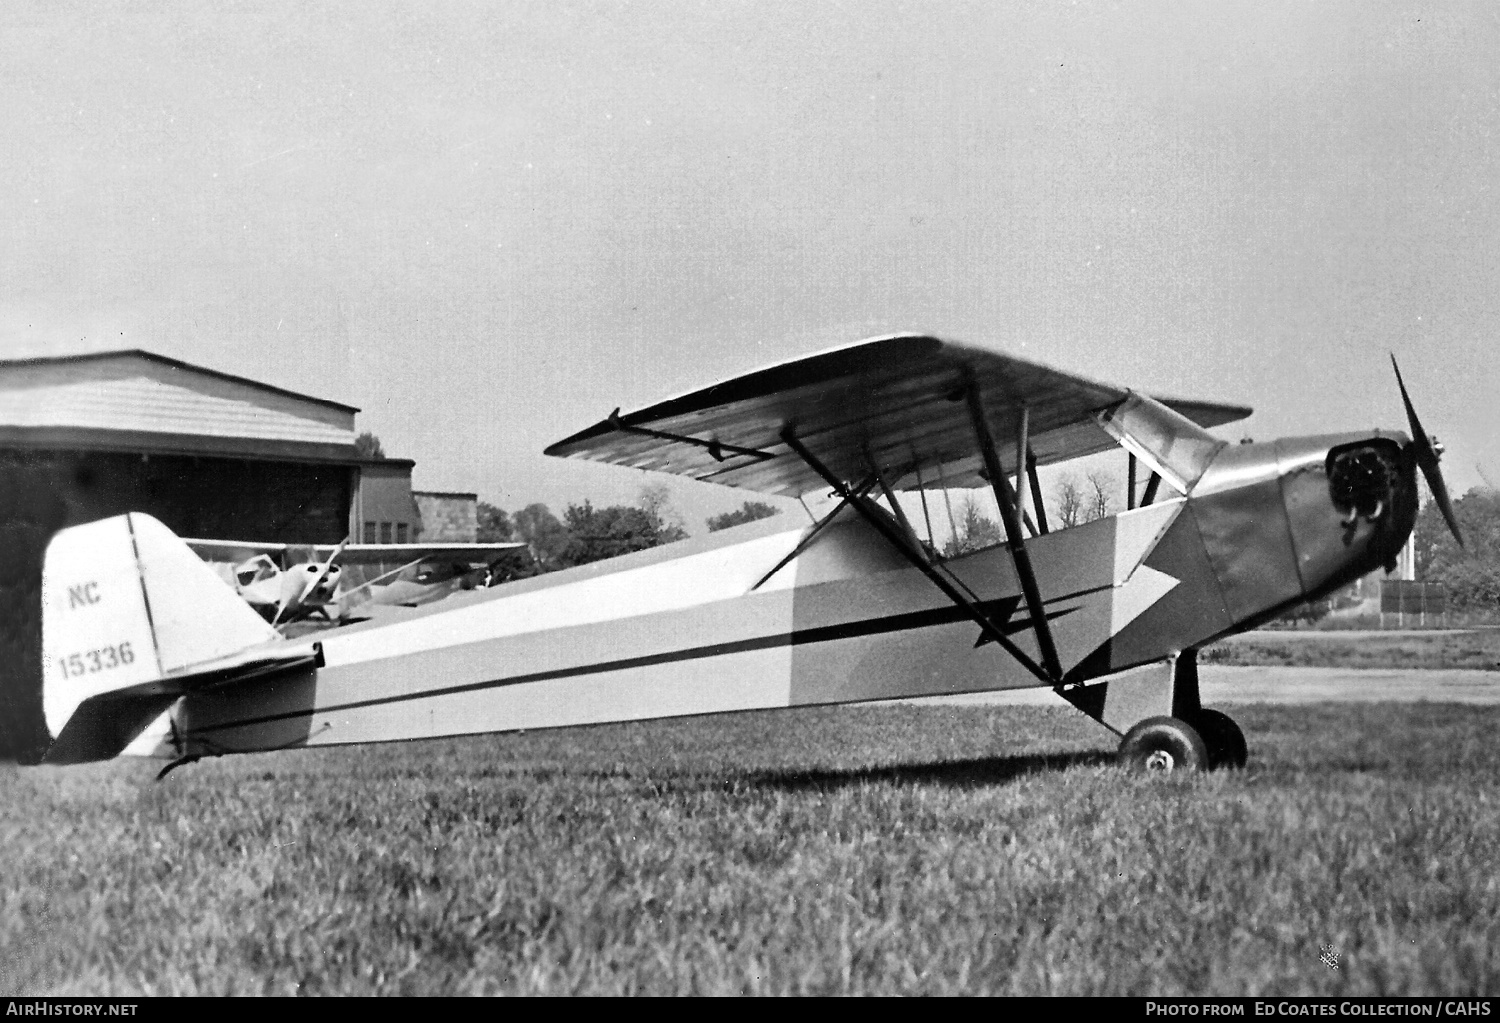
point(390, 553)
point(893, 404)
point(352, 554)
point(235, 551)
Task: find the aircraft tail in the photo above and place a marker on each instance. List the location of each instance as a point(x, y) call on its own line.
point(131, 620)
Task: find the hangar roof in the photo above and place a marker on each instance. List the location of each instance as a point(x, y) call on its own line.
point(136, 400)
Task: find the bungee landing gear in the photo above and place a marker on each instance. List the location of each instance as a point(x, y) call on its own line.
point(1165, 727)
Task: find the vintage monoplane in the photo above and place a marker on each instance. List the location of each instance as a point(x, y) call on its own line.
point(855, 607)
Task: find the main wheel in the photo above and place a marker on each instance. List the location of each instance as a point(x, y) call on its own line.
point(1162, 745)
point(1225, 741)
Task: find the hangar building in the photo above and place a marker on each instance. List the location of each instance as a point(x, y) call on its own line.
point(384, 509)
point(207, 453)
point(84, 437)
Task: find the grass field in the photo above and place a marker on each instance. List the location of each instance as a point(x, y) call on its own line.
point(864, 850)
point(1478, 648)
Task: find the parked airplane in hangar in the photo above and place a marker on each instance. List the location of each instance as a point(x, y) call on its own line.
point(1109, 614)
point(289, 582)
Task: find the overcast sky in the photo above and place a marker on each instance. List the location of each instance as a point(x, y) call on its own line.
point(488, 225)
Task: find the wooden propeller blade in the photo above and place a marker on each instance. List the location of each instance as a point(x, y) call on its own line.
point(1427, 459)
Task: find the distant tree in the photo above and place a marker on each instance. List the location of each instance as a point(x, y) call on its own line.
point(656, 502)
point(494, 524)
point(512, 565)
point(1084, 500)
point(367, 445)
point(1101, 486)
point(544, 536)
point(975, 531)
point(1070, 501)
point(747, 512)
point(595, 534)
point(1471, 574)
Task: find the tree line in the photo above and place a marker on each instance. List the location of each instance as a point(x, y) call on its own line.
point(1075, 500)
point(1470, 574)
point(586, 534)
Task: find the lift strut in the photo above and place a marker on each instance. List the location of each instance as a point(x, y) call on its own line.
point(812, 534)
point(1036, 490)
point(912, 550)
point(1015, 538)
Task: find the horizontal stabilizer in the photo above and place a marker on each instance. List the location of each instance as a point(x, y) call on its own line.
point(103, 725)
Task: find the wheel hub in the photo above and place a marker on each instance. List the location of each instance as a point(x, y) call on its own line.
point(1160, 762)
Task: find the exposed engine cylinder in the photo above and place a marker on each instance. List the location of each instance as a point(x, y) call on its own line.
point(1363, 480)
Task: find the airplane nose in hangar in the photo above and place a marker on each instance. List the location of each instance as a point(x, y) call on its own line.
point(330, 582)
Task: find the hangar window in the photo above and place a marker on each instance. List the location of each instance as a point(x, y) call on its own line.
point(385, 532)
point(369, 532)
point(400, 532)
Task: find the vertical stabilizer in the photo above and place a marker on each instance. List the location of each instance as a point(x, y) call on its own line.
point(125, 602)
point(195, 614)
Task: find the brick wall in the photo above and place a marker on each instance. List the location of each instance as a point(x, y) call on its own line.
point(448, 518)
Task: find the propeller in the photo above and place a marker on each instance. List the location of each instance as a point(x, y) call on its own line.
point(1427, 458)
point(323, 571)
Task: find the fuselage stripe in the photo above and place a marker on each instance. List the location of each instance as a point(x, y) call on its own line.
point(1001, 609)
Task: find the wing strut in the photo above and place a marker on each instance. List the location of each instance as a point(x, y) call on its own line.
point(1023, 445)
point(1015, 539)
point(1151, 485)
point(1036, 491)
point(926, 515)
point(812, 534)
point(912, 550)
point(896, 509)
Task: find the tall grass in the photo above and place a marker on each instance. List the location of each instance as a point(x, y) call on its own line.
point(855, 850)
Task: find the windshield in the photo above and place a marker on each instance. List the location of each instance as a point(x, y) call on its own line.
point(1175, 447)
point(255, 570)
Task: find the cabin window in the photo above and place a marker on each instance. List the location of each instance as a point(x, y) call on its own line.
point(1170, 443)
point(369, 532)
point(400, 532)
point(258, 569)
point(385, 532)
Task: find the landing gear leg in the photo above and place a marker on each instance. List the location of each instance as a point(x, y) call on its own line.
point(1157, 710)
point(1225, 741)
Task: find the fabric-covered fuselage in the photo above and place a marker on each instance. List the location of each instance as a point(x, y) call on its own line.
point(679, 630)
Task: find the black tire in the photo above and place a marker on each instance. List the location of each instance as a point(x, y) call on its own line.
point(1225, 741)
point(1163, 745)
